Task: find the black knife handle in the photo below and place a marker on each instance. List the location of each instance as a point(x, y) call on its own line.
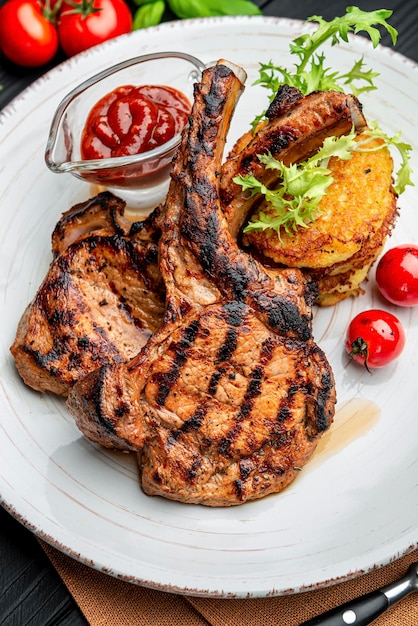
point(359, 612)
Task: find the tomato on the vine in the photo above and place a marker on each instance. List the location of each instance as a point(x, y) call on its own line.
point(27, 36)
point(375, 338)
point(397, 275)
point(86, 23)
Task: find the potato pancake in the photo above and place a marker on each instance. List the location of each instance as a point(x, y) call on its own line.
point(354, 218)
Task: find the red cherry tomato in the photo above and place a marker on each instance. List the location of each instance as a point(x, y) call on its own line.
point(27, 37)
point(397, 275)
point(86, 23)
point(375, 338)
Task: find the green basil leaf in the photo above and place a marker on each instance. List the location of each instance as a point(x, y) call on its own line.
point(207, 8)
point(189, 8)
point(234, 7)
point(140, 3)
point(148, 14)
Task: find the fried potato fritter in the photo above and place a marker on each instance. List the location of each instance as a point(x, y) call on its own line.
point(354, 218)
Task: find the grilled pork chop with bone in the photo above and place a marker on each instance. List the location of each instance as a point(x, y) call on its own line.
point(101, 300)
point(228, 399)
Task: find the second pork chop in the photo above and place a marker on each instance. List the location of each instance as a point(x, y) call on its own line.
point(100, 301)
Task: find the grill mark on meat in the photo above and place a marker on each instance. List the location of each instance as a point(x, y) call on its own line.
point(284, 316)
point(323, 415)
point(239, 488)
point(245, 468)
point(116, 245)
point(234, 314)
point(246, 168)
point(284, 100)
point(165, 381)
point(253, 391)
point(151, 256)
point(192, 472)
point(194, 422)
point(109, 420)
point(94, 398)
point(284, 412)
point(214, 380)
point(215, 98)
point(281, 140)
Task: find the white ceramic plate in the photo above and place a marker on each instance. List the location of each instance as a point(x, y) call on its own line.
point(353, 507)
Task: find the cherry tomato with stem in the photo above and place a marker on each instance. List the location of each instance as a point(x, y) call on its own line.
point(375, 338)
point(397, 275)
point(86, 23)
point(28, 36)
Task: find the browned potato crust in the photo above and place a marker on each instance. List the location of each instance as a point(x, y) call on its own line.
point(355, 217)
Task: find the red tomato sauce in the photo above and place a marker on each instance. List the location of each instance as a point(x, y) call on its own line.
point(132, 120)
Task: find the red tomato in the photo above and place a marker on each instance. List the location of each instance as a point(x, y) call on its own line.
point(27, 37)
point(85, 23)
point(397, 275)
point(375, 338)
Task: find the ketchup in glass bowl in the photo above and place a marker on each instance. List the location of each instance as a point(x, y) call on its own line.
point(133, 120)
point(120, 129)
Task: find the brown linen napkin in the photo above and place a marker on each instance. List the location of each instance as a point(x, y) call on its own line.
point(105, 600)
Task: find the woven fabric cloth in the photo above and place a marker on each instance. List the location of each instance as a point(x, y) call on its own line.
point(105, 600)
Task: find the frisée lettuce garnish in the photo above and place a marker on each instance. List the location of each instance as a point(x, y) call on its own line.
point(302, 185)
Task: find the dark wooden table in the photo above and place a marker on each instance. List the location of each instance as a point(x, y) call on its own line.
point(31, 592)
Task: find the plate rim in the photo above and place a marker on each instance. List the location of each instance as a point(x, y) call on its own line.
point(10, 109)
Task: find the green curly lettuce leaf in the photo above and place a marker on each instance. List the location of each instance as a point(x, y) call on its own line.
point(310, 72)
point(295, 200)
